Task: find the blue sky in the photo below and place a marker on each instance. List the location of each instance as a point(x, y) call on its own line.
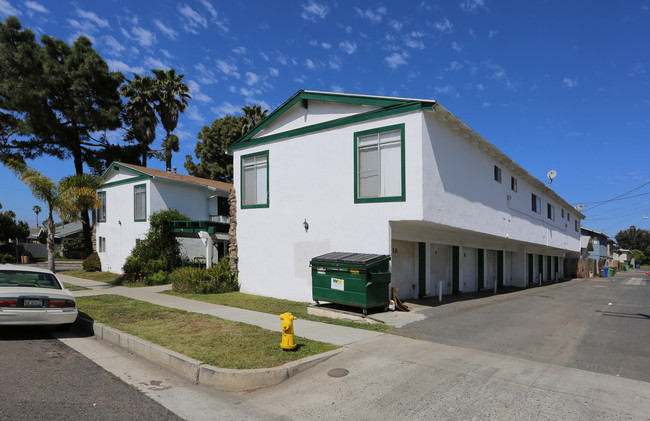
point(561, 85)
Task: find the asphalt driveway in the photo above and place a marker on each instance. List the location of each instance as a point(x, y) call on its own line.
point(601, 325)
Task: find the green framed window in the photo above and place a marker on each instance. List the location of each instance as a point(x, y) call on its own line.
point(101, 210)
point(536, 203)
point(379, 165)
point(140, 203)
point(255, 180)
point(497, 174)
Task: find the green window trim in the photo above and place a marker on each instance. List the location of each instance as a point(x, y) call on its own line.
point(101, 210)
point(144, 206)
point(402, 196)
point(241, 181)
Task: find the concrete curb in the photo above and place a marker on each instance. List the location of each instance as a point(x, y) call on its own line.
point(196, 371)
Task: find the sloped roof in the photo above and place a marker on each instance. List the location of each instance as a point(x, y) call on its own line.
point(153, 173)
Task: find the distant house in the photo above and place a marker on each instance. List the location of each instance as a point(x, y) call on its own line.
point(332, 172)
point(594, 251)
point(130, 194)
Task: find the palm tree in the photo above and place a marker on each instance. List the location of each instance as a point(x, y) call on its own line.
point(76, 200)
point(140, 113)
point(67, 201)
point(37, 210)
point(253, 115)
point(172, 96)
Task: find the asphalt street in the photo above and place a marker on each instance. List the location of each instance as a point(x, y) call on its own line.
point(600, 324)
point(44, 379)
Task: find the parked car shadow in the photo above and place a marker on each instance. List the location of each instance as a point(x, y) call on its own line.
point(22, 333)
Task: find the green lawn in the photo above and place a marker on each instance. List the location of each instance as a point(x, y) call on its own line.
point(93, 276)
point(275, 306)
point(72, 287)
point(218, 342)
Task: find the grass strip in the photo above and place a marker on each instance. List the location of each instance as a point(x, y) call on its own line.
point(218, 342)
point(276, 306)
point(72, 287)
point(93, 276)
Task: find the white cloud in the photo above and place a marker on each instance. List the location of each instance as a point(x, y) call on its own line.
point(226, 109)
point(397, 26)
point(443, 25)
point(274, 72)
point(453, 66)
point(6, 9)
point(413, 40)
point(637, 70)
point(336, 88)
point(165, 29)
point(195, 91)
point(206, 76)
point(313, 10)
point(37, 7)
point(396, 59)
point(193, 21)
point(154, 63)
point(310, 64)
point(326, 45)
point(485, 105)
point(457, 47)
point(348, 47)
point(229, 69)
point(210, 8)
point(239, 50)
point(252, 78)
point(120, 66)
point(193, 113)
point(570, 83)
point(92, 17)
point(374, 16)
point(115, 48)
point(335, 62)
point(438, 90)
point(142, 36)
point(473, 6)
point(167, 54)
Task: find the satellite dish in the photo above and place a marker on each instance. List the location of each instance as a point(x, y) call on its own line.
point(551, 175)
point(580, 208)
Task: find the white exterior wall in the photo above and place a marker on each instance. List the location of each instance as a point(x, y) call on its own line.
point(312, 177)
point(460, 191)
point(120, 229)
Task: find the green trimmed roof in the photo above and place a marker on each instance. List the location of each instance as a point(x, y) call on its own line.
point(387, 106)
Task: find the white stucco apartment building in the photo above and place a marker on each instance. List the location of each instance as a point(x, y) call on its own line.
point(130, 194)
point(395, 176)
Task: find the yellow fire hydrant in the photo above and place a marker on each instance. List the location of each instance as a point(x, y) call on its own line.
point(287, 331)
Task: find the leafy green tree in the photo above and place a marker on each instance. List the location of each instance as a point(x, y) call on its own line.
point(37, 209)
point(10, 228)
point(55, 99)
point(634, 238)
point(171, 99)
point(639, 257)
point(211, 150)
point(56, 198)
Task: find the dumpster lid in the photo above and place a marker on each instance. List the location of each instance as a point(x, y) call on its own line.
point(349, 258)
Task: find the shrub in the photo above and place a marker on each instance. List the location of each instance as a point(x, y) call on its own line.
point(92, 263)
point(193, 280)
point(158, 252)
point(7, 258)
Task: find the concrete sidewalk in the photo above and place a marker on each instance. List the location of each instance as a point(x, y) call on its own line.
point(333, 334)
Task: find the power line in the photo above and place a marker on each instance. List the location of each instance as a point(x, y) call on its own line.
point(619, 197)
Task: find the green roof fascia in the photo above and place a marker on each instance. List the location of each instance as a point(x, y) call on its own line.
point(140, 175)
point(400, 108)
point(303, 97)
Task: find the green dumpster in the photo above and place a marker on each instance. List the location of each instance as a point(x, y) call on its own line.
point(353, 279)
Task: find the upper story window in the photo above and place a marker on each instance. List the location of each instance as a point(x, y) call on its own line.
point(497, 174)
point(562, 213)
point(140, 203)
point(536, 203)
point(513, 184)
point(255, 180)
point(101, 210)
point(379, 165)
point(550, 211)
point(577, 226)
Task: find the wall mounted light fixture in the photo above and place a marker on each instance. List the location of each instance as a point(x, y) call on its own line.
point(306, 225)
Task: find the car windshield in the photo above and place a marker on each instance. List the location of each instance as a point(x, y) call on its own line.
point(25, 278)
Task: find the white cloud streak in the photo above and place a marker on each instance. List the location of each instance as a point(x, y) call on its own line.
point(313, 10)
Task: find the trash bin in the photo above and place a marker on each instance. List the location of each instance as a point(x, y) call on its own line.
point(353, 279)
point(606, 271)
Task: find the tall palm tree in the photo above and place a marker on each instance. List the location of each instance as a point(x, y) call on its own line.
point(63, 201)
point(253, 115)
point(172, 96)
point(37, 209)
point(76, 199)
point(141, 92)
